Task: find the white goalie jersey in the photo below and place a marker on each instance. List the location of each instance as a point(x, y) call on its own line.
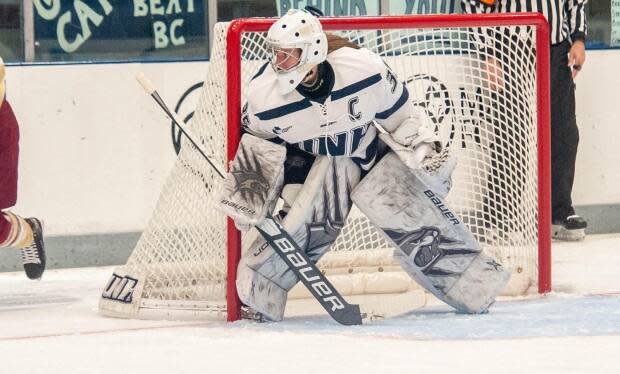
point(364, 90)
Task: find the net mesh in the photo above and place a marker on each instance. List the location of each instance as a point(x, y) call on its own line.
point(481, 95)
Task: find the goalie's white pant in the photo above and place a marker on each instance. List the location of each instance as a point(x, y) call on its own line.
point(315, 219)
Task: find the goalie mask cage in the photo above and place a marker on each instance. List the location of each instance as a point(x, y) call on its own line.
point(483, 80)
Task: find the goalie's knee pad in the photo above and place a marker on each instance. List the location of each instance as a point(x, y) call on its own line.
point(289, 194)
point(321, 206)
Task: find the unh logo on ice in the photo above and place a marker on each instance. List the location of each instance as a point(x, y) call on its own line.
point(120, 288)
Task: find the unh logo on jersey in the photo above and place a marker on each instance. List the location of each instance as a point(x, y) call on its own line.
point(339, 144)
point(120, 288)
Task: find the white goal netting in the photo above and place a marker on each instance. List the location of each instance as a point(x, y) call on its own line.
point(480, 87)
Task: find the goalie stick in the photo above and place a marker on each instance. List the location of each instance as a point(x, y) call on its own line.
point(283, 244)
point(314, 280)
point(150, 89)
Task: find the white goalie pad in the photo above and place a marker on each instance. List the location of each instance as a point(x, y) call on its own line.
point(253, 184)
point(314, 221)
point(434, 247)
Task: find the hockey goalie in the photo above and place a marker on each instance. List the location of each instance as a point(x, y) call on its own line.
point(312, 126)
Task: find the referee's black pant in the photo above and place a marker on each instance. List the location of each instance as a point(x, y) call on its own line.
point(508, 116)
point(564, 133)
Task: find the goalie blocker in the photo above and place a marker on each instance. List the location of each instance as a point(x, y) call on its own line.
point(434, 247)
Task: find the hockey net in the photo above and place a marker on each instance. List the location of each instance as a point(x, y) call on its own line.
point(484, 82)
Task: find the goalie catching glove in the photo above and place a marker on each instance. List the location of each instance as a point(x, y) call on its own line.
point(418, 147)
point(254, 182)
point(413, 140)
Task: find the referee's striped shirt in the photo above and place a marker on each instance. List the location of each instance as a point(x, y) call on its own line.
point(567, 18)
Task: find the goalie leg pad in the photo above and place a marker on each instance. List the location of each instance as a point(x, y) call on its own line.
point(433, 245)
point(260, 293)
point(314, 221)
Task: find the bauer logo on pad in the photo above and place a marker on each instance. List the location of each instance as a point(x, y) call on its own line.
point(442, 207)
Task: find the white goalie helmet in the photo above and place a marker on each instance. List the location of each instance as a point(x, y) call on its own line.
point(297, 32)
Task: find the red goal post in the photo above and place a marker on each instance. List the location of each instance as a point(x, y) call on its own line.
point(233, 52)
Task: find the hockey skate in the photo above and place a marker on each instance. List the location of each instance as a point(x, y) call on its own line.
point(252, 315)
point(573, 228)
point(33, 256)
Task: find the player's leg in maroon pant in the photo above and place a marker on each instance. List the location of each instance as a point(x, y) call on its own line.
point(9, 152)
point(16, 231)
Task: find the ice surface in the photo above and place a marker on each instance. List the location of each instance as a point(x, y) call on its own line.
point(52, 326)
